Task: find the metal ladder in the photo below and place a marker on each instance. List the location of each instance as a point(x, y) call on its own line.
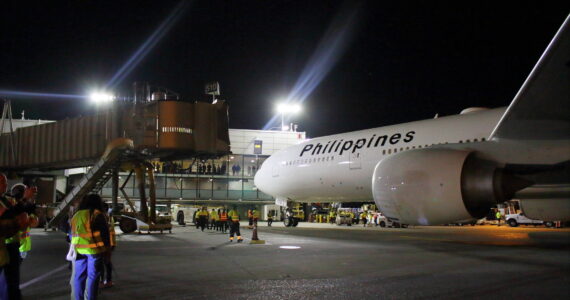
point(92, 182)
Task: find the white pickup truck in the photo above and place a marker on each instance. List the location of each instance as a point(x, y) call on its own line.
point(515, 220)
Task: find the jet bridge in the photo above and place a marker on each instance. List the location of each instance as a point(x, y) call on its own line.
point(156, 123)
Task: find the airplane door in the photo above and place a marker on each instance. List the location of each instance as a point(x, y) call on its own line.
point(354, 161)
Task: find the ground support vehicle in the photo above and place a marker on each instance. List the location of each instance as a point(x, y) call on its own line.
point(344, 217)
point(515, 220)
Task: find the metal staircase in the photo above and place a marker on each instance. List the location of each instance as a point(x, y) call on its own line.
point(118, 151)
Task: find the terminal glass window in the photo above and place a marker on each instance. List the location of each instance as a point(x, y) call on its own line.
point(205, 188)
point(220, 188)
point(236, 165)
point(234, 189)
point(189, 187)
point(250, 163)
point(249, 189)
point(173, 187)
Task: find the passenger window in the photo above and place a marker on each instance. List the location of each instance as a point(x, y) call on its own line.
point(384, 152)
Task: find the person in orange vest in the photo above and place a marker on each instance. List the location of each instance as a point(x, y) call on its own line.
point(255, 216)
point(250, 218)
point(90, 237)
point(234, 225)
point(107, 270)
point(223, 220)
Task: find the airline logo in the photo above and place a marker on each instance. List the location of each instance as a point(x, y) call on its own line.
point(335, 146)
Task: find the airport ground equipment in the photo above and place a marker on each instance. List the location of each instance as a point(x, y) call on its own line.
point(515, 220)
point(294, 214)
point(158, 124)
point(344, 216)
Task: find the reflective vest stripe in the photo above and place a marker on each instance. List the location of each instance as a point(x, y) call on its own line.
point(87, 235)
point(85, 240)
point(112, 236)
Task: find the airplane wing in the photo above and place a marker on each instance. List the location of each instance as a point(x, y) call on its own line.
point(541, 108)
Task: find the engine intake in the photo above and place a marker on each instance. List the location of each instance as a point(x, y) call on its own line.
point(438, 186)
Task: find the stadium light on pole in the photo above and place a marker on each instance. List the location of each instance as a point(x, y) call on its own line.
point(101, 98)
point(287, 108)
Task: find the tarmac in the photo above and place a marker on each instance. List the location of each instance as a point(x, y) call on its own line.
point(320, 261)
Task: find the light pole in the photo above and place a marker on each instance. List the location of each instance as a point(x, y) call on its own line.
point(287, 108)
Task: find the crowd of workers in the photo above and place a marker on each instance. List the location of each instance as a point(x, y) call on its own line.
point(221, 220)
point(90, 233)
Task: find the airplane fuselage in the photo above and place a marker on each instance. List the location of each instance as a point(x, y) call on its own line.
point(340, 167)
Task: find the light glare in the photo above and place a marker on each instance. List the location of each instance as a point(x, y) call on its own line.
point(98, 98)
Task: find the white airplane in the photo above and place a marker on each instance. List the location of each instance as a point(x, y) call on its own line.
point(449, 168)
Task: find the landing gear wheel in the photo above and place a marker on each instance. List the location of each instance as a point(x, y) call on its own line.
point(382, 224)
point(295, 222)
point(288, 222)
point(513, 223)
point(127, 225)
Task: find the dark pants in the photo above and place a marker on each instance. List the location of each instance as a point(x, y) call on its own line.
point(12, 271)
point(234, 229)
point(86, 275)
point(250, 221)
point(3, 285)
point(203, 222)
point(269, 222)
point(107, 270)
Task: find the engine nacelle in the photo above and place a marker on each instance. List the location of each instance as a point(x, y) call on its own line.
point(436, 186)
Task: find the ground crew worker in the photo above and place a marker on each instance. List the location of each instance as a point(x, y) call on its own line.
point(203, 218)
point(250, 218)
point(12, 218)
point(234, 225)
point(223, 220)
point(90, 236)
point(12, 270)
point(107, 270)
point(197, 218)
point(498, 216)
point(214, 219)
point(255, 215)
point(269, 218)
point(363, 218)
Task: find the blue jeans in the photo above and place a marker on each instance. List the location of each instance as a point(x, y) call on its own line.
point(87, 270)
point(3, 285)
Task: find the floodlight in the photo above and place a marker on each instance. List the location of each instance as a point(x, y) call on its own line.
point(99, 98)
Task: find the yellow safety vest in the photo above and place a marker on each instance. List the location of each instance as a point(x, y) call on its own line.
point(255, 214)
point(85, 240)
point(25, 240)
point(234, 215)
point(214, 215)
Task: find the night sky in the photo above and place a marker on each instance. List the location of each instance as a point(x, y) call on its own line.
point(399, 61)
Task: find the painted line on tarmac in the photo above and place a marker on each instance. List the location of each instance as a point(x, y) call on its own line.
point(42, 277)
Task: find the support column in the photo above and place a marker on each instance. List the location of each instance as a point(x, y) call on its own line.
point(115, 189)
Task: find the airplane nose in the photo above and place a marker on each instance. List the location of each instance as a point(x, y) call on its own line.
point(260, 179)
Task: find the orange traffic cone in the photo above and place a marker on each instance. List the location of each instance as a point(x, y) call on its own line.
point(254, 238)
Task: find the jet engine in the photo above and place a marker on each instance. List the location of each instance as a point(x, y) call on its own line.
point(439, 186)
